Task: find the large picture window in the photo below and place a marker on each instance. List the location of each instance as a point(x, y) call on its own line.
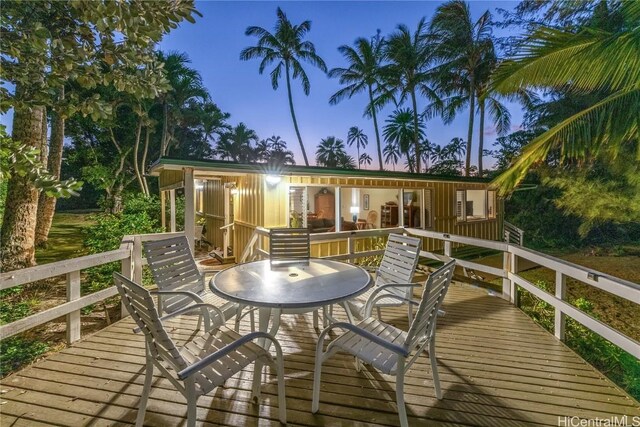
point(473, 205)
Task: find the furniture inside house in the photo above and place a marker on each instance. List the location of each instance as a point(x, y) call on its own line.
point(325, 204)
point(372, 219)
point(179, 281)
point(204, 361)
point(398, 265)
point(199, 230)
point(411, 215)
point(289, 246)
point(389, 215)
point(387, 348)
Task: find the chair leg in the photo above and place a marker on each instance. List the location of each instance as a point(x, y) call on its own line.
point(148, 378)
point(192, 401)
point(317, 372)
point(379, 312)
point(434, 367)
point(402, 410)
point(238, 316)
point(410, 314)
point(252, 318)
point(316, 324)
point(282, 401)
point(257, 379)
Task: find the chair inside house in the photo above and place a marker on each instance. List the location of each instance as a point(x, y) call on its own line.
point(398, 265)
point(289, 247)
point(199, 229)
point(387, 348)
point(179, 281)
point(205, 361)
point(372, 219)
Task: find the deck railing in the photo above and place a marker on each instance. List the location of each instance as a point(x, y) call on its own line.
point(132, 261)
point(513, 234)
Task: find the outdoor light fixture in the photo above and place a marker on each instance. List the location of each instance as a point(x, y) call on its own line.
point(354, 212)
point(234, 191)
point(273, 180)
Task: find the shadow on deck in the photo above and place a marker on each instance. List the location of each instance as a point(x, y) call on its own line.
point(497, 368)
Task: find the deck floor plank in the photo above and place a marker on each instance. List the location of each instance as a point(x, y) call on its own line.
point(497, 368)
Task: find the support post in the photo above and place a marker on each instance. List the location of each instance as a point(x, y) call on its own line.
point(137, 260)
point(447, 248)
point(163, 210)
point(73, 319)
point(338, 204)
point(559, 319)
point(401, 209)
point(172, 208)
point(189, 207)
point(506, 282)
point(126, 268)
point(352, 250)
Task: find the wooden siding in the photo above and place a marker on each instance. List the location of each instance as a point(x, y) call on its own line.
point(214, 210)
point(169, 178)
point(497, 368)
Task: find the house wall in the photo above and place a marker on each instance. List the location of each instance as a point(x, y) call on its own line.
point(170, 178)
point(260, 204)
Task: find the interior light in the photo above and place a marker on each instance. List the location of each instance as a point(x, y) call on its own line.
point(354, 210)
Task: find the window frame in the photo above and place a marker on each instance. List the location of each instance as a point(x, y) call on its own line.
point(487, 216)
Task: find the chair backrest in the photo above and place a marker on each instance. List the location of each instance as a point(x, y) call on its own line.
point(139, 304)
point(197, 232)
point(289, 246)
point(435, 289)
point(173, 268)
point(372, 218)
point(400, 260)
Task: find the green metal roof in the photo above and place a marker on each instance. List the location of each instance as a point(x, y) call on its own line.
point(265, 168)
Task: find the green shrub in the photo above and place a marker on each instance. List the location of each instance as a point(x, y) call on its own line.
point(621, 367)
point(16, 352)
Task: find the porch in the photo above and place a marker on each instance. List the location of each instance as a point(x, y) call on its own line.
point(497, 368)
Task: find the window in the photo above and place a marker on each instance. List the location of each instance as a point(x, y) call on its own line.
point(474, 205)
point(363, 208)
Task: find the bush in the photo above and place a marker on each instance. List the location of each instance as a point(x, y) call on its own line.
point(621, 367)
point(17, 351)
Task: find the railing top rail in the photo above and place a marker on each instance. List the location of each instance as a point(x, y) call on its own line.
point(472, 241)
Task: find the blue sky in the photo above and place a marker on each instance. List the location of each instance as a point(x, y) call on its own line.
point(215, 41)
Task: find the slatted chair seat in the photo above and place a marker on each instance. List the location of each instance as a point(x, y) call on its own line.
point(179, 281)
point(398, 266)
point(386, 347)
point(203, 362)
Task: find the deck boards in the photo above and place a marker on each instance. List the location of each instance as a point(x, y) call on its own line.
point(497, 368)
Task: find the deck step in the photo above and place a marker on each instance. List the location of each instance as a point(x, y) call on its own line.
point(220, 257)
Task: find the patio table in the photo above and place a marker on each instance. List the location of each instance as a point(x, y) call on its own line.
point(290, 289)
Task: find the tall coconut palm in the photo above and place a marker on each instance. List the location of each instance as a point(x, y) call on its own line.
point(463, 46)
point(391, 154)
point(400, 130)
point(285, 47)
point(363, 74)
point(364, 159)
point(589, 61)
point(331, 152)
point(237, 144)
point(407, 73)
point(357, 136)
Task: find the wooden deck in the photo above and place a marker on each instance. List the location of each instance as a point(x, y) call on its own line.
point(497, 368)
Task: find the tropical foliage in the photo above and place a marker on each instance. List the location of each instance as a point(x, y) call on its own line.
point(331, 154)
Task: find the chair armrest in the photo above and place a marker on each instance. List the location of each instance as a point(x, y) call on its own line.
point(195, 297)
point(197, 366)
point(204, 312)
point(368, 335)
point(375, 297)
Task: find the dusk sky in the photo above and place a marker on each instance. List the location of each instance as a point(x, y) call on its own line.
point(215, 41)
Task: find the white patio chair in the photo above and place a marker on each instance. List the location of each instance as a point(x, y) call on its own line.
point(398, 265)
point(179, 281)
point(386, 347)
point(202, 363)
point(289, 246)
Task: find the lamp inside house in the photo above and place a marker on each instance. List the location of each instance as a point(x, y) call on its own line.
point(354, 210)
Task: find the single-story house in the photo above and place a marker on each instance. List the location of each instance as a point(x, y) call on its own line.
point(220, 193)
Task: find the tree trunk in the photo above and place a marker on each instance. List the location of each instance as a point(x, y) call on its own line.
point(293, 116)
point(46, 204)
point(416, 134)
point(472, 106)
point(165, 130)
point(144, 160)
point(116, 199)
point(375, 126)
point(136, 147)
point(19, 223)
point(481, 137)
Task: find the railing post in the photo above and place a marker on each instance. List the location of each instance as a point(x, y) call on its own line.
point(137, 260)
point(126, 269)
point(559, 319)
point(447, 248)
point(351, 248)
point(73, 319)
point(507, 292)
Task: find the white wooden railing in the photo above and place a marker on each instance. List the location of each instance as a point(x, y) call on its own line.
point(130, 256)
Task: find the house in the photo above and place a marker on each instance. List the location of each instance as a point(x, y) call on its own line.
point(220, 193)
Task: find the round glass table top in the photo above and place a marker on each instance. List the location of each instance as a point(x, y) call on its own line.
point(320, 283)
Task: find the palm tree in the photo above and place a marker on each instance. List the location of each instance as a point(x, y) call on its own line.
point(287, 47)
point(331, 152)
point(391, 154)
point(362, 74)
point(463, 46)
point(409, 56)
point(346, 161)
point(364, 159)
point(237, 144)
point(357, 136)
point(456, 148)
point(273, 150)
point(589, 61)
point(426, 148)
point(400, 131)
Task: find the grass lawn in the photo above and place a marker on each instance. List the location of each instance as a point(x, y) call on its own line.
point(65, 237)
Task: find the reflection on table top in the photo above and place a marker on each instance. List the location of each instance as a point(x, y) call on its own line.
point(319, 283)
